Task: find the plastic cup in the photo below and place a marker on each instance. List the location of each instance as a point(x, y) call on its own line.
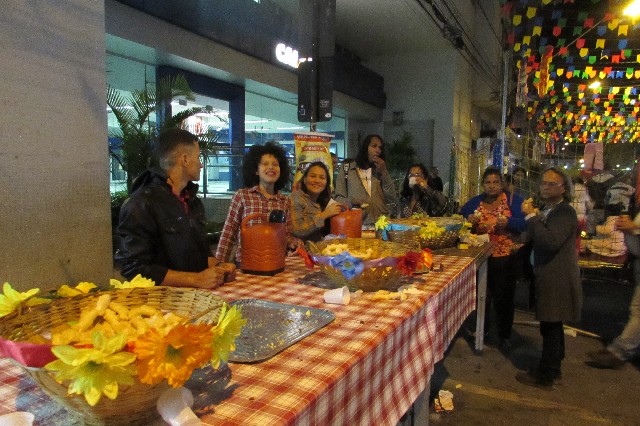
point(19, 418)
point(174, 405)
point(337, 296)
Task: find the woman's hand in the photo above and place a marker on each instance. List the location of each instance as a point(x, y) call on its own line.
point(333, 209)
point(294, 244)
point(501, 223)
point(474, 219)
point(381, 166)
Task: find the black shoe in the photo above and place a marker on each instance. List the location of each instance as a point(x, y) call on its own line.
point(604, 359)
point(535, 380)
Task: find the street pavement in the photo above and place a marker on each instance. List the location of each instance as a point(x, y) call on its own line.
point(484, 388)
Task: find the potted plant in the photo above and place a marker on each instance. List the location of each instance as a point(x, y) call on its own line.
point(133, 148)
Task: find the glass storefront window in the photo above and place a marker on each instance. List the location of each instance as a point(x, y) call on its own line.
point(266, 119)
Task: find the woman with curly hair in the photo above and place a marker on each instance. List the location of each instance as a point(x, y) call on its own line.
point(265, 171)
point(312, 203)
point(417, 197)
point(367, 183)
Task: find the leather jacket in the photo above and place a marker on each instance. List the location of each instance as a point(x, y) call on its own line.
point(155, 232)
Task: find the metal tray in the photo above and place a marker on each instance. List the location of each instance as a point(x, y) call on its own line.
point(272, 327)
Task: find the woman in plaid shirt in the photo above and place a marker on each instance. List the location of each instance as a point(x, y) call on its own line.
point(265, 172)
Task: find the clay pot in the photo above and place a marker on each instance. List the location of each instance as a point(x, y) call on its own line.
point(348, 222)
point(264, 246)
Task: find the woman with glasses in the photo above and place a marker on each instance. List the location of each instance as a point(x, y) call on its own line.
point(498, 213)
point(417, 197)
point(265, 171)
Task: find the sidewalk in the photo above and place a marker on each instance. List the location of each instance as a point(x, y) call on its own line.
point(486, 392)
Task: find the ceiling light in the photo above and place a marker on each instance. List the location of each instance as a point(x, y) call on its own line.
point(633, 9)
point(595, 85)
point(290, 128)
point(256, 121)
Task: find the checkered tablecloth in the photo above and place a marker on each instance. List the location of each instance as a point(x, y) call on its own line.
point(366, 367)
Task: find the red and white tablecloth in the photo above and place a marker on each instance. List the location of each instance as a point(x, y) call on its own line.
point(366, 367)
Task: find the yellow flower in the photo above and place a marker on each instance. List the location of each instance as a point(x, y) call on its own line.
point(381, 223)
point(81, 288)
point(12, 299)
point(174, 356)
point(137, 281)
point(94, 371)
point(229, 326)
point(430, 230)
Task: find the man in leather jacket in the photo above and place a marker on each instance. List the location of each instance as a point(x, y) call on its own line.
point(162, 224)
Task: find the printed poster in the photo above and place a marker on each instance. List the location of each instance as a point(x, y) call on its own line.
point(311, 147)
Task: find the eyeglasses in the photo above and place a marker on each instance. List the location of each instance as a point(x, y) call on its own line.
point(416, 175)
point(551, 184)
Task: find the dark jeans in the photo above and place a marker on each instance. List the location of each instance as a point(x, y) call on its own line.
point(501, 287)
point(552, 349)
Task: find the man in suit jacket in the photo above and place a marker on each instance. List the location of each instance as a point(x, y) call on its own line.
point(553, 230)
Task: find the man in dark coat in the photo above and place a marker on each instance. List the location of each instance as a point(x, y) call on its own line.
point(161, 229)
point(552, 230)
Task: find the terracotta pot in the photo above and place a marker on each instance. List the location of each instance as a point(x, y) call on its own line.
point(264, 246)
point(348, 223)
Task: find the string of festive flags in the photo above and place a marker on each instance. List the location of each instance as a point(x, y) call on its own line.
point(585, 43)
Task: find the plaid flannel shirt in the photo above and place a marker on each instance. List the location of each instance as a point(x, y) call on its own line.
point(247, 201)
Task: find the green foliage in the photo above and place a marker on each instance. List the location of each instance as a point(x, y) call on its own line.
point(117, 198)
point(136, 131)
point(400, 155)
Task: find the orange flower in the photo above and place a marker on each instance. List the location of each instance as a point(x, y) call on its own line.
point(174, 356)
point(410, 262)
point(427, 258)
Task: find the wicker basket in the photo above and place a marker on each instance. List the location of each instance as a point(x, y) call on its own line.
point(135, 404)
point(373, 278)
point(411, 238)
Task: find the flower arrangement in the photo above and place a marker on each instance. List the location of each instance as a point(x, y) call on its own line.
point(111, 345)
point(352, 266)
point(421, 231)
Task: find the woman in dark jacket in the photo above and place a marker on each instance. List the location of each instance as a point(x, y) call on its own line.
point(498, 213)
point(552, 229)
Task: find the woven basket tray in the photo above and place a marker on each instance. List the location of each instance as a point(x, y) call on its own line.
point(135, 405)
point(372, 278)
point(411, 238)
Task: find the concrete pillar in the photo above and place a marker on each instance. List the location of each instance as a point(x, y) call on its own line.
point(55, 224)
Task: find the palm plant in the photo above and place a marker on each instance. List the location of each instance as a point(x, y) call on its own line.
point(136, 132)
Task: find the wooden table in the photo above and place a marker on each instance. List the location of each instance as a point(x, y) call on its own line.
point(366, 367)
point(480, 255)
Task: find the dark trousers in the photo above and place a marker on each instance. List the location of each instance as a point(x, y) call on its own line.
point(552, 349)
point(501, 287)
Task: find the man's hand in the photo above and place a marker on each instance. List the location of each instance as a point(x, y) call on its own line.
point(209, 278)
point(527, 207)
point(625, 224)
point(229, 270)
